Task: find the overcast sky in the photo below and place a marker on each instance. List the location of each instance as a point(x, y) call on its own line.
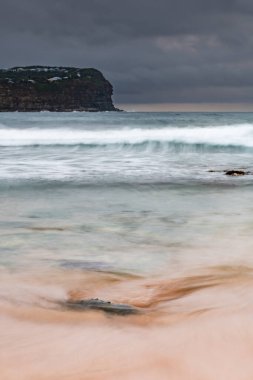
point(152, 51)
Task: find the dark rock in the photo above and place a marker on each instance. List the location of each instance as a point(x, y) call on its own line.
point(106, 306)
point(236, 173)
point(233, 172)
point(216, 171)
point(59, 89)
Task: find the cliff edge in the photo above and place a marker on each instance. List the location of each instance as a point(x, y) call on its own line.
point(59, 89)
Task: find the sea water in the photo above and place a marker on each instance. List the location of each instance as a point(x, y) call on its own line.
point(132, 208)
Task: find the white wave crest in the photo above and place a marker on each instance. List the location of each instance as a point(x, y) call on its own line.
point(235, 135)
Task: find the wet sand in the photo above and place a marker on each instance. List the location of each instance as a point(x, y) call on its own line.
point(194, 326)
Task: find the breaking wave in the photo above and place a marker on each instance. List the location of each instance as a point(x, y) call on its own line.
point(236, 135)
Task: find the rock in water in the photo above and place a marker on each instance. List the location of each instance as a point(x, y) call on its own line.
point(106, 306)
point(59, 89)
point(236, 173)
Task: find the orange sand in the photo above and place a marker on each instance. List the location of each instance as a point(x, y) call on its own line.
point(196, 327)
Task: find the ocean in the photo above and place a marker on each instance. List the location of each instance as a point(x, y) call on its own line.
point(135, 209)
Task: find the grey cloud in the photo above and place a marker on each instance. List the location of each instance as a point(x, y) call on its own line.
point(152, 51)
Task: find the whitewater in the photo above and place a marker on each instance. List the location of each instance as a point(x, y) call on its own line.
point(238, 135)
point(123, 147)
point(133, 209)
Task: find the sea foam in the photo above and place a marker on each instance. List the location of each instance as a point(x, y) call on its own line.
point(234, 135)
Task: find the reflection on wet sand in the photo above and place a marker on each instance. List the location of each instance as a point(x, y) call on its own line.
point(198, 326)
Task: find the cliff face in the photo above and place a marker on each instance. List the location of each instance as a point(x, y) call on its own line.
point(39, 88)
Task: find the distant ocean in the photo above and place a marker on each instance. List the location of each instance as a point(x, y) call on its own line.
point(133, 208)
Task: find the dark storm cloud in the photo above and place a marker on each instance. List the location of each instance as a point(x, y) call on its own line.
point(152, 51)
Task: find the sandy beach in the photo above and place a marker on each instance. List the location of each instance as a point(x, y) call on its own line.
point(190, 328)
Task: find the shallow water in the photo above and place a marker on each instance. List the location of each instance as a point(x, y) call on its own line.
point(123, 207)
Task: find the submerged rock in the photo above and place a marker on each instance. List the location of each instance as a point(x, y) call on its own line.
point(106, 306)
point(236, 173)
point(233, 172)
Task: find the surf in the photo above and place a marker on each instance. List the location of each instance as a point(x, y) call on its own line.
point(231, 135)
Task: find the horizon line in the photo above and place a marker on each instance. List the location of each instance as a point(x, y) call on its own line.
point(185, 107)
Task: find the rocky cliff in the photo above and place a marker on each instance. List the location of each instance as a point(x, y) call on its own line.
point(42, 88)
